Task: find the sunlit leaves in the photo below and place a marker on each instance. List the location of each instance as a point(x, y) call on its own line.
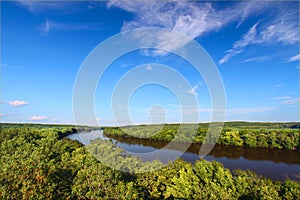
point(35, 164)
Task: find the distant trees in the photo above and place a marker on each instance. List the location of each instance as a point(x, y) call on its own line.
point(251, 136)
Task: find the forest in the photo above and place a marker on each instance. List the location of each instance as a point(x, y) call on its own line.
point(250, 134)
point(37, 162)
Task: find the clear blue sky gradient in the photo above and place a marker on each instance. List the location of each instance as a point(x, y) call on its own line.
point(254, 45)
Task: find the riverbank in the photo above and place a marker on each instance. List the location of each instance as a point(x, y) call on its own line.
point(277, 164)
point(248, 134)
point(35, 164)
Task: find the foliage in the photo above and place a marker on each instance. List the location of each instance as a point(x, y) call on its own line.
point(36, 164)
point(270, 135)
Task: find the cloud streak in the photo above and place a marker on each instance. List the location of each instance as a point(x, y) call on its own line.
point(148, 68)
point(256, 59)
point(34, 6)
point(236, 111)
point(193, 90)
point(294, 58)
point(193, 19)
point(49, 25)
point(188, 18)
point(287, 100)
point(282, 98)
point(42, 118)
point(3, 115)
point(5, 66)
point(232, 111)
point(238, 46)
point(282, 29)
point(16, 103)
point(290, 101)
point(38, 118)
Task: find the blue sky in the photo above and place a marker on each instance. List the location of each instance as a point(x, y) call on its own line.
point(255, 46)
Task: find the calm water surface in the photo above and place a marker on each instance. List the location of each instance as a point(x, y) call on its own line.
point(272, 163)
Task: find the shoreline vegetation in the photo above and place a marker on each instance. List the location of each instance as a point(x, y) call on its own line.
point(36, 163)
point(248, 134)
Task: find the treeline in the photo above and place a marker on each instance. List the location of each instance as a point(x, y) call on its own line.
point(262, 125)
point(46, 126)
point(233, 133)
point(62, 129)
point(36, 164)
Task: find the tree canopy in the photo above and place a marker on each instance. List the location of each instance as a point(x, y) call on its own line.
point(36, 163)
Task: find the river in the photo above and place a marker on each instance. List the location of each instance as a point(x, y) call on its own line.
point(272, 163)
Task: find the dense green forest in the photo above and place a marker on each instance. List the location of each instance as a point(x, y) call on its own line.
point(37, 163)
point(251, 134)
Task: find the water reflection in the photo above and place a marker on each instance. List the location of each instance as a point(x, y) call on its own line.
point(219, 151)
point(272, 163)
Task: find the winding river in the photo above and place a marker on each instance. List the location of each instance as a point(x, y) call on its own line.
point(273, 163)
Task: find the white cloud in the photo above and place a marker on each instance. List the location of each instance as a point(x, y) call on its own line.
point(235, 111)
point(193, 90)
point(16, 103)
point(291, 101)
point(282, 29)
point(148, 68)
point(10, 66)
point(49, 25)
point(256, 59)
point(34, 6)
point(282, 98)
point(278, 86)
point(124, 65)
point(38, 118)
point(240, 44)
point(287, 100)
point(229, 55)
point(192, 19)
point(230, 111)
point(195, 19)
point(3, 115)
point(294, 58)
point(248, 38)
point(46, 26)
point(174, 105)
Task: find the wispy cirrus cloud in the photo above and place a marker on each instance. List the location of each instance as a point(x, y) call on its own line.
point(6, 66)
point(287, 100)
point(34, 6)
point(42, 118)
point(232, 111)
point(235, 111)
point(57, 7)
point(192, 19)
point(148, 68)
point(4, 115)
point(282, 98)
point(99, 119)
point(49, 25)
point(238, 46)
point(291, 101)
point(193, 90)
point(294, 58)
point(195, 19)
point(16, 103)
point(278, 86)
point(282, 29)
point(38, 118)
point(256, 59)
